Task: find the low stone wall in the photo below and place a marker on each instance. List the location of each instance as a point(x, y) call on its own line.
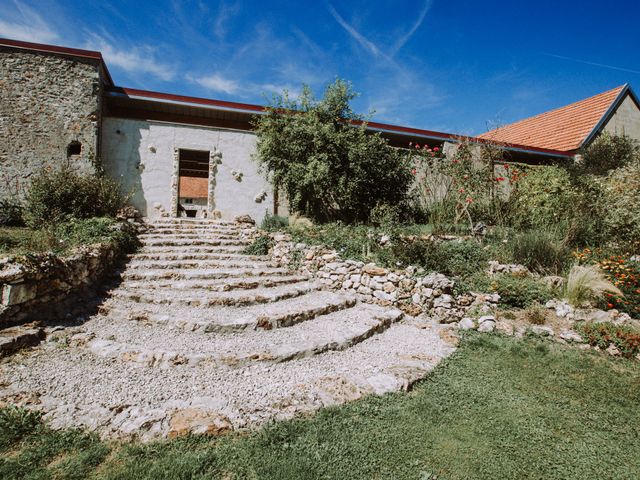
point(32, 286)
point(409, 289)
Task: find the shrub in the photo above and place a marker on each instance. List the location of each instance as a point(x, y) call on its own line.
point(320, 155)
point(544, 198)
point(587, 283)
point(536, 314)
point(260, 246)
point(601, 335)
point(539, 251)
point(274, 223)
point(59, 195)
point(11, 213)
point(455, 259)
point(16, 423)
point(518, 292)
point(620, 206)
point(608, 152)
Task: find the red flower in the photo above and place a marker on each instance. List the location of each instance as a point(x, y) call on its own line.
point(499, 179)
point(506, 166)
point(436, 149)
point(469, 199)
point(413, 171)
point(609, 305)
point(417, 145)
point(461, 190)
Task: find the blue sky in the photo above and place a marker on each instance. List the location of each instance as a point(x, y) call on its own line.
point(455, 66)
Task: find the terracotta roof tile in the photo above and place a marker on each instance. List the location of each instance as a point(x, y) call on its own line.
point(562, 129)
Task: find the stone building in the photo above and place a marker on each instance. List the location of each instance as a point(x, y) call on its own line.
point(186, 156)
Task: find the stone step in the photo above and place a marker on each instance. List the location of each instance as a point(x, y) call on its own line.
point(206, 298)
point(202, 264)
point(187, 236)
point(192, 221)
point(198, 231)
point(264, 316)
point(188, 255)
point(217, 285)
point(207, 274)
point(334, 331)
point(189, 249)
point(16, 338)
point(187, 242)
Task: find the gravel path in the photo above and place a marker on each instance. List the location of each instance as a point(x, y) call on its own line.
point(166, 369)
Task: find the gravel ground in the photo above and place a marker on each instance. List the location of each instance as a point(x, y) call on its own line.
point(159, 369)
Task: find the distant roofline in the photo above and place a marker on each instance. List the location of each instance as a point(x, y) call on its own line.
point(626, 89)
point(606, 116)
point(72, 52)
point(201, 102)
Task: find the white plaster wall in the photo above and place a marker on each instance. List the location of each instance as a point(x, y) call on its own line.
point(141, 157)
point(625, 120)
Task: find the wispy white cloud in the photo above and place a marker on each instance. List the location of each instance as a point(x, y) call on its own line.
point(24, 23)
point(357, 36)
point(216, 83)
point(225, 13)
point(595, 64)
point(133, 60)
point(405, 38)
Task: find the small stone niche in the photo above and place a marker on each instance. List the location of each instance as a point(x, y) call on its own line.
point(74, 150)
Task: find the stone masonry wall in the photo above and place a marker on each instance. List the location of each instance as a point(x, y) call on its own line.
point(408, 289)
point(47, 101)
point(37, 287)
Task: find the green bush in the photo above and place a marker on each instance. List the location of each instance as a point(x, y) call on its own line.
point(620, 205)
point(76, 232)
point(260, 246)
point(324, 160)
point(63, 194)
point(608, 152)
point(274, 223)
point(16, 423)
point(11, 213)
point(539, 251)
point(601, 335)
point(520, 292)
point(544, 198)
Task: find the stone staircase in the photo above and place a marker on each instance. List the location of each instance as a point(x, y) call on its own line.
point(199, 337)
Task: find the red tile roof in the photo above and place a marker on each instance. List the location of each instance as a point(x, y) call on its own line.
point(563, 129)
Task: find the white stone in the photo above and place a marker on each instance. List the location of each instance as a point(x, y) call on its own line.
point(542, 330)
point(466, 324)
point(488, 326)
point(486, 318)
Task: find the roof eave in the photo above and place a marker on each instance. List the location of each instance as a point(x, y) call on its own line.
point(626, 89)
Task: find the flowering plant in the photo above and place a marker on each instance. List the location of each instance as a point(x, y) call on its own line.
point(623, 272)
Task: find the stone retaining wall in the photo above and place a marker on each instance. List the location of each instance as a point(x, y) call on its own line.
point(33, 287)
point(409, 289)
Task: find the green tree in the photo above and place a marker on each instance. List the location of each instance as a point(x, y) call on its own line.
point(320, 155)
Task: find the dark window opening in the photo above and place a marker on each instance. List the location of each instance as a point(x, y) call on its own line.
point(74, 149)
point(194, 163)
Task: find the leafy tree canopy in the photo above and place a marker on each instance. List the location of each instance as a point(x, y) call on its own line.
point(320, 155)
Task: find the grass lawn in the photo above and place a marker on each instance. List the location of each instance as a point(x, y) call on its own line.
point(15, 240)
point(499, 408)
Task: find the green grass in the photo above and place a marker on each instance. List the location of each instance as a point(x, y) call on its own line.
point(498, 409)
point(61, 238)
point(15, 240)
